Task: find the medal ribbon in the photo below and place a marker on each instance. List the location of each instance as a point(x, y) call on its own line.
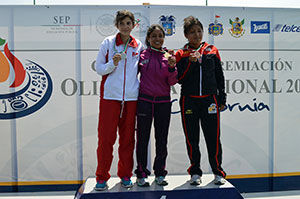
point(197, 48)
point(125, 47)
point(198, 55)
point(162, 51)
point(166, 54)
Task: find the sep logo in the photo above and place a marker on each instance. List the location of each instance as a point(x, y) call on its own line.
point(260, 27)
point(23, 90)
point(61, 19)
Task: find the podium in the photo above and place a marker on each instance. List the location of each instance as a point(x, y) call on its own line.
point(178, 188)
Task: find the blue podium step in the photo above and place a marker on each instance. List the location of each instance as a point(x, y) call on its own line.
point(178, 188)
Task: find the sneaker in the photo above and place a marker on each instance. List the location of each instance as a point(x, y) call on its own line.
point(160, 180)
point(101, 185)
point(126, 182)
point(142, 182)
point(195, 179)
point(219, 180)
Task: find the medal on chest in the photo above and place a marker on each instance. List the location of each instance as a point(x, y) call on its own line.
point(123, 52)
point(123, 55)
point(167, 55)
point(198, 55)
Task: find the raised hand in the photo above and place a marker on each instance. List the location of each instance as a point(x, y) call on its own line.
point(116, 58)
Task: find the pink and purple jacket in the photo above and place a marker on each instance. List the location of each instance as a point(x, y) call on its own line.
point(157, 76)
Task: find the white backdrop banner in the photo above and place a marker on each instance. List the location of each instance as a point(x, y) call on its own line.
point(49, 90)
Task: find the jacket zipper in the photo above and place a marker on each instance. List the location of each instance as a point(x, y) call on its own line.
point(200, 82)
point(124, 84)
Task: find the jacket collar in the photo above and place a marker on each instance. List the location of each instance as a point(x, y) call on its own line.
point(187, 46)
point(162, 51)
point(132, 42)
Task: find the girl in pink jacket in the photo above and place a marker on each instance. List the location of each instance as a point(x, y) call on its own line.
point(158, 74)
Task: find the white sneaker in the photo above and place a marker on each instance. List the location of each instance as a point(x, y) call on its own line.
point(195, 180)
point(219, 180)
point(142, 182)
point(160, 180)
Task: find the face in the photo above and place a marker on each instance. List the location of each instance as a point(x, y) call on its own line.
point(125, 26)
point(195, 35)
point(156, 38)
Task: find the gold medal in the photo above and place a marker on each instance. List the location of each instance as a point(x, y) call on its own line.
point(167, 55)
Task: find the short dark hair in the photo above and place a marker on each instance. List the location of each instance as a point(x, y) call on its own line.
point(122, 14)
point(151, 29)
point(189, 22)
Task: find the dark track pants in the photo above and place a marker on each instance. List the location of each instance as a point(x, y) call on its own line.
point(161, 112)
point(205, 110)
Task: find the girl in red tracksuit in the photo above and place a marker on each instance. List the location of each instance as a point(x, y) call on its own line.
point(117, 63)
point(158, 73)
point(202, 98)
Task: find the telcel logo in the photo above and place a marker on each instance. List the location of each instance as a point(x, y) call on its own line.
point(286, 28)
point(260, 27)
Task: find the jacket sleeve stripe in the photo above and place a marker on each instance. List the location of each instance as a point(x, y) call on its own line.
point(184, 73)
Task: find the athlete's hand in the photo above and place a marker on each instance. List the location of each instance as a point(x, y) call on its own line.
point(171, 52)
point(193, 57)
point(116, 58)
point(172, 61)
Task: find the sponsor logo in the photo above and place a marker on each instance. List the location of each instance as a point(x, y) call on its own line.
point(61, 25)
point(188, 112)
point(286, 28)
point(277, 27)
point(215, 28)
point(260, 27)
point(237, 27)
point(212, 109)
point(62, 20)
point(105, 25)
point(134, 54)
point(145, 61)
point(168, 23)
point(23, 90)
point(141, 24)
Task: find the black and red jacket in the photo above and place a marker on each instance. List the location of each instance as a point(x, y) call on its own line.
point(205, 78)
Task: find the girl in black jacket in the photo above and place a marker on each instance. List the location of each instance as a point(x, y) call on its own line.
point(202, 98)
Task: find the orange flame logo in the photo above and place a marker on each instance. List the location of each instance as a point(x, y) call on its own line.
point(28, 97)
point(5, 66)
